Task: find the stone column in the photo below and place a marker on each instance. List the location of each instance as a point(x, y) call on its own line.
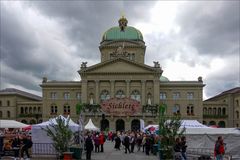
point(97, 91)
point(84, 91)
point(112, 82)
point(143, 97)
point(156, 92)
point(128, 88)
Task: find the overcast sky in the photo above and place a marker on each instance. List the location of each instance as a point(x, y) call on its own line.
point(53, 38)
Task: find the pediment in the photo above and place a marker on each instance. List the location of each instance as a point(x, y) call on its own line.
point(120, 66)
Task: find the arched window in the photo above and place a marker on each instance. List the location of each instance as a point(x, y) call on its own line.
point(204, 110)
point(192, 110)
point(34, 110)
point(22, 110)
point(237, 114)
point(66, 109)
point(188, 110)
point(30, 109)
point(224, 111)
point(219, 111)
point(39, 109)
point(237, 103)
point(136, 95)
point(1, 114)
point(8, 103)
point(209, 111)
point(104, 95)
point(54, 109)
point(120, 94)
point(8, 114)
point(26, 110)
point(214, 111)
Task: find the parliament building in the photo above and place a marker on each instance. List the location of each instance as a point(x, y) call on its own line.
point(119, 91)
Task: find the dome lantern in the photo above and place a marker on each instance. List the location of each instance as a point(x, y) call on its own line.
point(122, 23)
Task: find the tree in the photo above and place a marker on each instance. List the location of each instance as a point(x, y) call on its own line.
point(60, 133)
point(169, 129)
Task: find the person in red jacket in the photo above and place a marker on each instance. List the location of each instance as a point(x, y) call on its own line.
point(101, 141)
point(219, 150)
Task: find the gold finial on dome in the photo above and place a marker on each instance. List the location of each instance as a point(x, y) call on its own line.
point(122, 22)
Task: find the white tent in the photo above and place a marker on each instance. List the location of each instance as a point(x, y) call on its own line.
point(184, 124)
point(40, 136)
point(90, 126)
point(11, 124)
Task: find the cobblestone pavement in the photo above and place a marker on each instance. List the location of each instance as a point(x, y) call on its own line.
point(111, 154)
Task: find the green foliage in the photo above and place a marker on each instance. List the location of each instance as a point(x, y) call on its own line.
point(60, 134)
point(169, 130)
point(79, 108)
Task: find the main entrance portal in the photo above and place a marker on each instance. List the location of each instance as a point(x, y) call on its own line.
point(120, 125)
point(135, 125)
point(104, 124)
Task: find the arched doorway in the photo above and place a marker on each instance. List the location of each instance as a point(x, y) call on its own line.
point(135, 125)
point(204, 122)
point(120, 125)
point(104, 124)
point(221, 124)
point(212, 123)
point(32, 121)
point(24, 121)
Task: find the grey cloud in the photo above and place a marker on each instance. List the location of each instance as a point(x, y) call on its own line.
point(211, 27)
point(85, 22)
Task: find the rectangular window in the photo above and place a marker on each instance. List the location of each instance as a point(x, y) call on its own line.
point(0, 103)
point(176, 95)
point(53, 95)
point(176, 109)
point(163, 95)
point(8, 103)
point(66, 95)
point(78, 96)
point(190, 95)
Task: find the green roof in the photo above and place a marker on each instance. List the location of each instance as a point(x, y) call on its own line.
point(164, 79)
point(129, 33)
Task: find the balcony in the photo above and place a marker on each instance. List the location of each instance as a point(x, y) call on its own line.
point(214, 116)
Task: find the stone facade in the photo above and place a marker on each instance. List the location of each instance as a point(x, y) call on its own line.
point(21, 106)
point(122, 72)
point(223, 109)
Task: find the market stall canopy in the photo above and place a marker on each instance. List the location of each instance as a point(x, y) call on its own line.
point(184, 124)
point(192, 124)
point(90, 126)
point(40, 136)
point(12, 124)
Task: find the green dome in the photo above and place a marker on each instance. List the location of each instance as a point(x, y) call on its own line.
point(164, 79)
point(122, 32)
point(129, 33)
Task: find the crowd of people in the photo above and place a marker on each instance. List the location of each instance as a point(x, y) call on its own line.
point(136, 141)
point(128, 141)
point(15, 143)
